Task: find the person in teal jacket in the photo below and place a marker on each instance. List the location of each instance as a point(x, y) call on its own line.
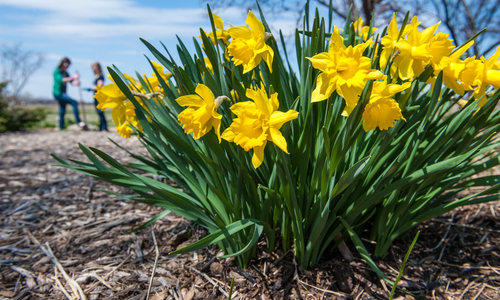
point(61, 77)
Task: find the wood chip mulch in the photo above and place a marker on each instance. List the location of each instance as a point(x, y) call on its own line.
point(61, 237)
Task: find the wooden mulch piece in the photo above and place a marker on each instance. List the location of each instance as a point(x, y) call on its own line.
point(61, 237)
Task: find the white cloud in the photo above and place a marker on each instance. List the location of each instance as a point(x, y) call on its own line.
point(96, 19)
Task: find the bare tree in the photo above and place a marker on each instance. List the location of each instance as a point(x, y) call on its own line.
point(462, 18)
point(18, 64)
point(465, 18)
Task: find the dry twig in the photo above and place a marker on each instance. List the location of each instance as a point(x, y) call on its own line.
point(154, 266)
point(211, 281)
point(48, 251)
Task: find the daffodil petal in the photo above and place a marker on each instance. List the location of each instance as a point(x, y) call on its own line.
point(405, 68)
point(428, 33)
point(278, 118)
point(240, 32)
point(190, 100)
point(255, 24)
point(218, 22)
point(375, 74)
point(259, 97)
point(205, 93)
point(324, 88)
point(382, 113)
point(267, 56)
point(278, 139)
point(241, 107)
point(228, 135)
point(216, 125)
point(350, 95)
point(393, 89)
point(320, 61)
point(258, 155)
point(492, 78)
point(336, 41)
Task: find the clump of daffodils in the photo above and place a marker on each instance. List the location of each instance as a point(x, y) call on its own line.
point(365, 129)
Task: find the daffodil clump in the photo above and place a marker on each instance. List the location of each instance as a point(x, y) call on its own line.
point(380, 126)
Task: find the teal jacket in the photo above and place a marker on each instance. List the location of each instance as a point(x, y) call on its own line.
point(58, 82)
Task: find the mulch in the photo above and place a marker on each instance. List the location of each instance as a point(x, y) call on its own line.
point(62, 237)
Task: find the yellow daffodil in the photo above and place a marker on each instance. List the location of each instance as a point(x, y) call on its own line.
point(235, 96)
point(164, 75)
point(344, 70)
point(454, 71)
point(382, 110)
point(124, 130)
point(124, 117)
point(390, 39)
point(440, 48)
point(257, 123)
point(201, 114)
point(363, 30)
point(122, 111)
point(249, 46)
point(487, 75)
point(414, 49)
point(109, 96)
point(208, 64)
point(222, 34)
point(496, 65)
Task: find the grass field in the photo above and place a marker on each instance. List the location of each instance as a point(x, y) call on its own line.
point(52, 119)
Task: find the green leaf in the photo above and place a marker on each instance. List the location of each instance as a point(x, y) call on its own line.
point(363, 252)
point(394, 286)
point(257, 231)
point(153, 219)
point(218, 235)
point(349, 176)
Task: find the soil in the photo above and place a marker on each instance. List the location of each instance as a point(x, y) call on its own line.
point(62, 237)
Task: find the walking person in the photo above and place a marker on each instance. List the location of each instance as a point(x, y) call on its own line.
point(61, 77)
point(98, 82)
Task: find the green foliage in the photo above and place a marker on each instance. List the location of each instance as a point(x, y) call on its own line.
point(18, 118)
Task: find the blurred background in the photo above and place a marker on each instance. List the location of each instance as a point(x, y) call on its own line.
point(35, 35)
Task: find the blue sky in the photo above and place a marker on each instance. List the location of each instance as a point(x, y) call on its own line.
point(107, 31)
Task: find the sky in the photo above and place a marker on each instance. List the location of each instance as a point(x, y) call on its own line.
point(106, 31)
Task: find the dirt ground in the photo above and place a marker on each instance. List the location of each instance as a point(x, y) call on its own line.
point(61, 237)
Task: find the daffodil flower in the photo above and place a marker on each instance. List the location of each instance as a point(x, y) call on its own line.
point(487, 75)
point(455, 74)
point(201, 115)
point(363, 30)
point(390, 39)
point(221, 34)
point(164, 75)
point(124, 118)
point(382, 110)
point(440, 47)
point(109, 97)
point(248, 46)
point(208, 64)
point(344, 70)
point(257, 123)
point(415, 52)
